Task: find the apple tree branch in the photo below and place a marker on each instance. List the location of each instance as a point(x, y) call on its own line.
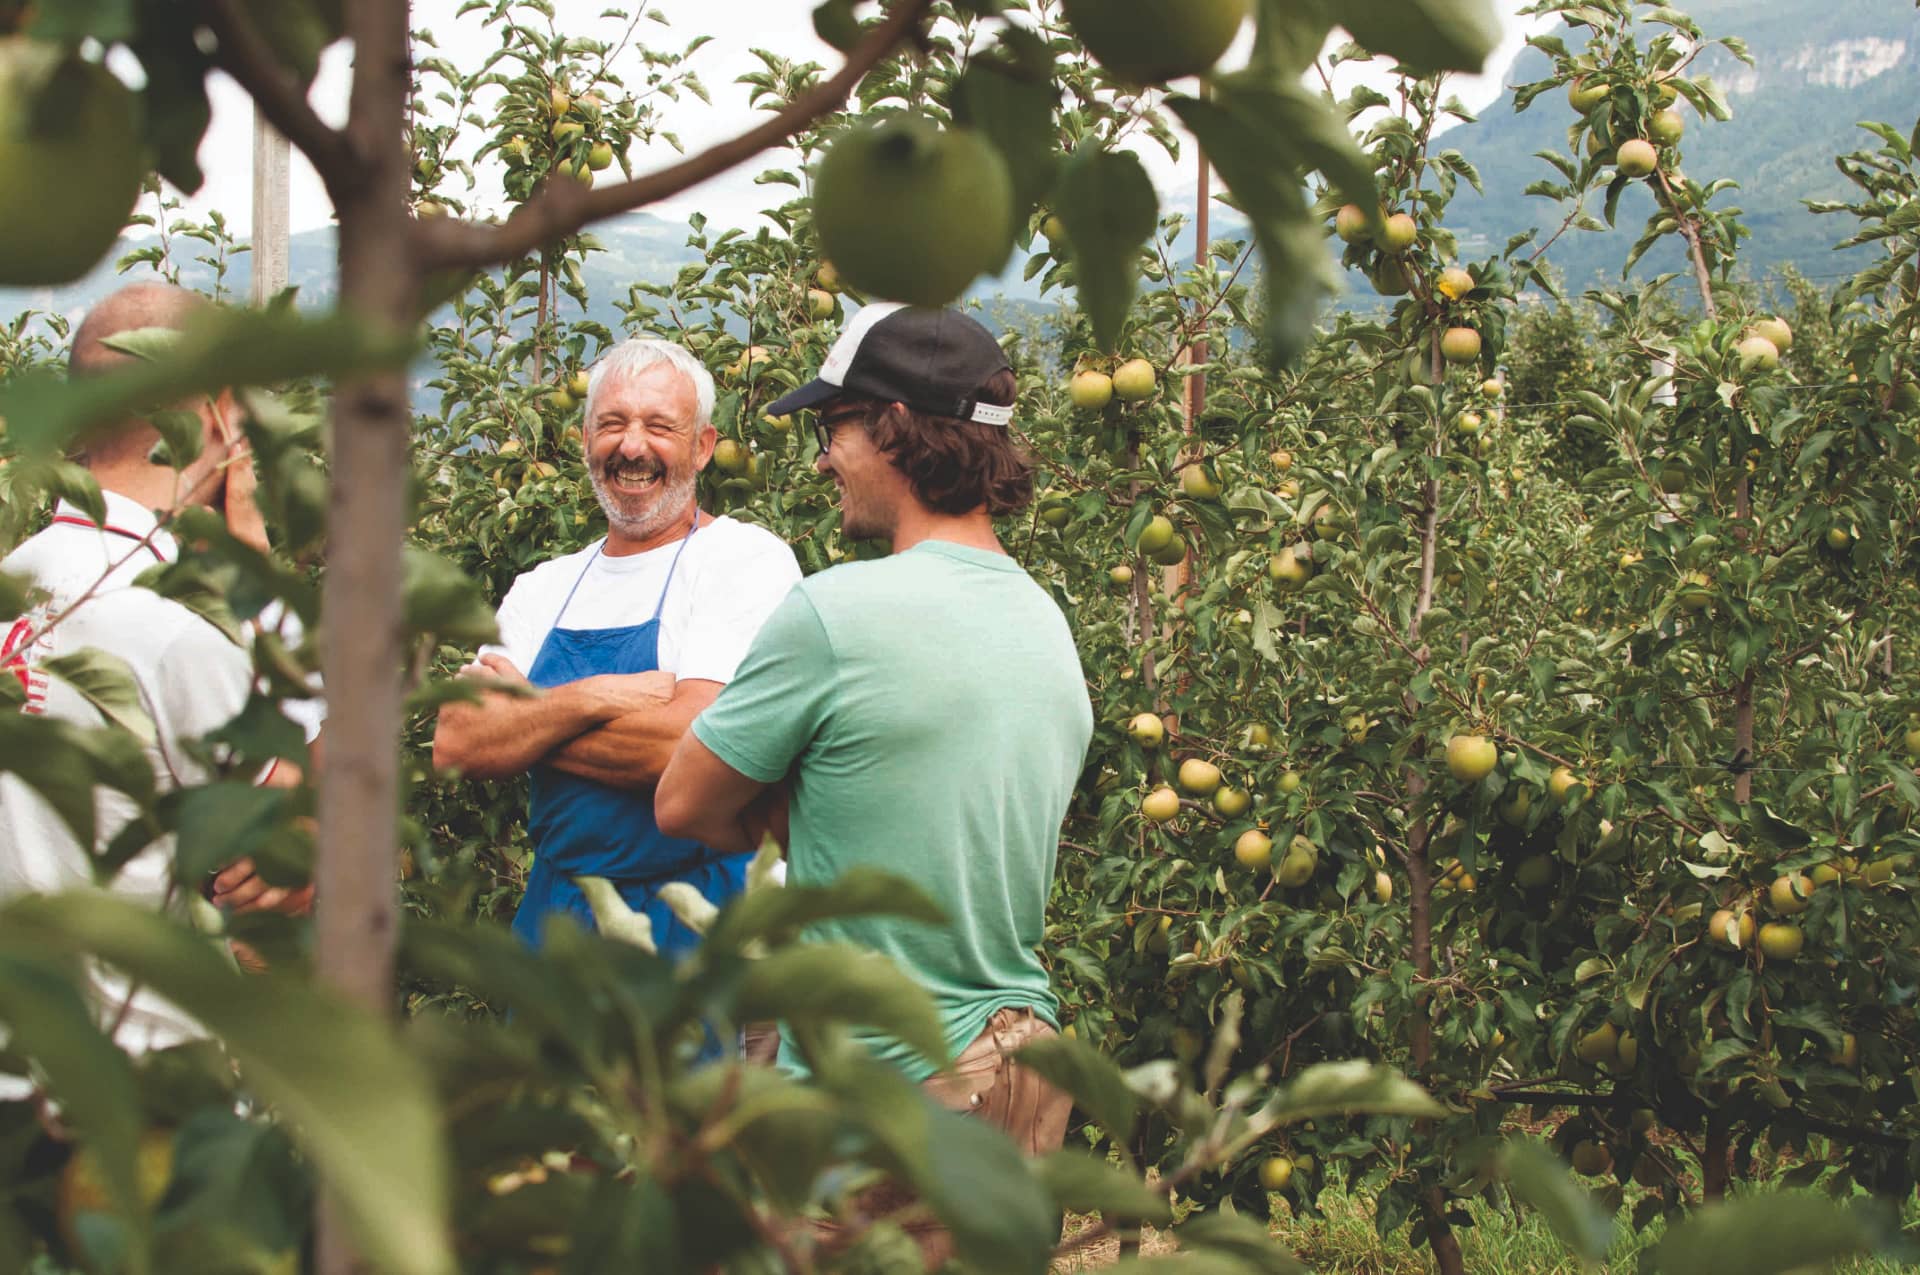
point(565, 207)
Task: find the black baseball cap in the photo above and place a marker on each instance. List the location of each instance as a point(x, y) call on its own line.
point(934, 361)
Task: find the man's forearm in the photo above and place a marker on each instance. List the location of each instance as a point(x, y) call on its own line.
point(632, 750)
point(508, 734)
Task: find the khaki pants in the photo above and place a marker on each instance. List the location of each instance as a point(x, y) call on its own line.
point(984, 1081)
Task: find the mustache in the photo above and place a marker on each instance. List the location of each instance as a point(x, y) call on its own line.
point(637, 467)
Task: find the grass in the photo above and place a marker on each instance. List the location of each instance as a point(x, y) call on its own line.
point(1342, 1242)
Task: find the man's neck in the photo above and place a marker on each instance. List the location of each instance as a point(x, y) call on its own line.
point(154, 487)
point(621, 545)
point(917, 524)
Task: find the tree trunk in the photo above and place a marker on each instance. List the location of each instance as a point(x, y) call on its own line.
point(1716, 1158)
point(359, 786)
point(1445, 1244)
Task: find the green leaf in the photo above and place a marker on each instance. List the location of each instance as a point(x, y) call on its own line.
point(106, 682)
point(832, 982)
point(1084, 1184)
point(71, 21)
point(693, 909)
point(354, 1100)
point(1015, 113)
point(778, 915)
point(783, 1130)
point(979, 1184)
point(49, 1020)
point(1541, 1179)
point(47, 756)
point(615, 917)
point(442, 600)
point(1288, 35)
point(1265, 180)
point(1426, 35)
point(16, 592)
point(235, 1178)
point(1097, 1084)
point(1771, 1232)
point(224, 822)
point(1108, 205)
point(1301, 127)
point(1240, 1239)
point(1352, 1087)
point(46, 413)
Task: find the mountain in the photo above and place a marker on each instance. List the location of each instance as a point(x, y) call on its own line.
point(1820, 67)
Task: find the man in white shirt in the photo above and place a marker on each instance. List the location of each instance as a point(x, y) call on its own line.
point(191, 678)
point(626, 641)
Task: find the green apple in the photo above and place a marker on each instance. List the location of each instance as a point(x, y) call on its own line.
point(1155, 536)
point(913, 212)
point(1666, 127)
point(1454, 283)
point(1789, 893)
point(1090, 390)
point(1135, 380)
point(1198, 776)
point(1756, 352)
point(1230, 802)
point(1583, 94)
point(1253, 849)
point(1471, 758)
point(1351, 224)
point(1147, 730)
point(1460, 345)
point(1153, 41)
point(1400, 234)
point(71, 162)
point(1637, 158)
point(1288, 568)
point(1160, 805)
point(1195, 482)
point(1276, 1172)
point(1776, 331)
point(1561, 782)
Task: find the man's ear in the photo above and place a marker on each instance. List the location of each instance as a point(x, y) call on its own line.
point(703, 445)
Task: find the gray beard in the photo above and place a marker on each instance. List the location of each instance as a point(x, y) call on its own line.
point(675, 493)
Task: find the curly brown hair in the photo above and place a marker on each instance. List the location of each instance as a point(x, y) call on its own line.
point(956, 466)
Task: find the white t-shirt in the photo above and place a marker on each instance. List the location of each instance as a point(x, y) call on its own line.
point(192, 680)
point(727, 582)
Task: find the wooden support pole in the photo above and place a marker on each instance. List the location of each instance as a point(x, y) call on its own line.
point(272, 197)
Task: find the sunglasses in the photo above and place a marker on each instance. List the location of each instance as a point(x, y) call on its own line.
point(823, 426)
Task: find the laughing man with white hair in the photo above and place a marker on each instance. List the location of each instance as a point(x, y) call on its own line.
point(626, 641)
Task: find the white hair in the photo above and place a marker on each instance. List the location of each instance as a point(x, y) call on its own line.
point(638, 354)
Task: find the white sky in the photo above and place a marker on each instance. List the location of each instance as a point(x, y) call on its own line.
point(738, 26)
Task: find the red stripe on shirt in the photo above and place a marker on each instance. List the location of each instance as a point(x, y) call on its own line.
point(68, 520)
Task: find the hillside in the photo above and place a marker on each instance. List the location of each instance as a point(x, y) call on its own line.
point(1821, 66)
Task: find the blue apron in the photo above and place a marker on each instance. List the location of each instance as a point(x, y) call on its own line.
point(583, 828)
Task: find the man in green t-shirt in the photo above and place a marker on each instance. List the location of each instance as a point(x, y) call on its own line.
point(928, 709)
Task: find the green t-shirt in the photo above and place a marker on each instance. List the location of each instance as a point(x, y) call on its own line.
point(933, 712)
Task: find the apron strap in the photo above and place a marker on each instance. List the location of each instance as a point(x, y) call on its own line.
point(659, 608)
point(577, 581)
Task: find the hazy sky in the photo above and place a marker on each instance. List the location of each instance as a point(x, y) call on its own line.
point(738, 26)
